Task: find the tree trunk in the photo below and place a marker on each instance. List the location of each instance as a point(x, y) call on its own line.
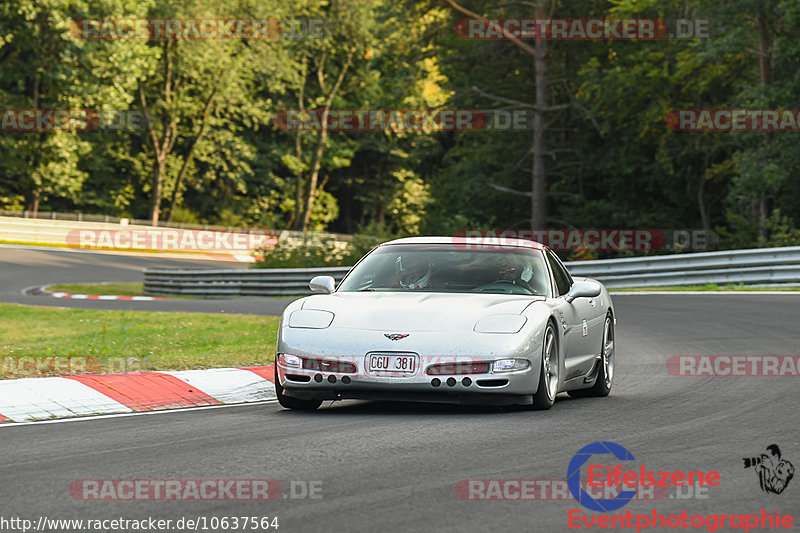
point(701, 202)
point(538, 192)
point(763, 216)
point(764, 46)
point(380, 216)
point(164, 145)
point(294, 219)
point(190, 155)
point(33, 195)
point(312, 190)
point(539, 172)
point(32, 202)
point(158, 182)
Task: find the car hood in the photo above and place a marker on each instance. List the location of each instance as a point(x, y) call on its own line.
point(415, 311)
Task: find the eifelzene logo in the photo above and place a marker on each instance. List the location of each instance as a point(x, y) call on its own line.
point(774, 473)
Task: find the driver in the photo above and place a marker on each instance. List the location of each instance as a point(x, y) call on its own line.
point(514, 269)
point(414, 271)
point(507, 271)
point(510, 269)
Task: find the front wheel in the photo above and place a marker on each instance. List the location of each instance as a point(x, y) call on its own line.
point(605, 374)
point(545, 395)
point(293, 403)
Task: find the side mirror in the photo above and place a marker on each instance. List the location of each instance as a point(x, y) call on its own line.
point(583, 289)
point(322, 284)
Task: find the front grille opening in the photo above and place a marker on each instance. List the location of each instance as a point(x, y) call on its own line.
point(457, 368)
point(492, 382)
point(329, 365)
point(295, 377)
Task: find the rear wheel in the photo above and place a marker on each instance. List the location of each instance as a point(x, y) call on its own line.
point(545, 395)
point(293, 403)
point(605, 372)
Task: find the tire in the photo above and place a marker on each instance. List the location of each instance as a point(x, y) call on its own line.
point(605, 372)
point(293, 403)
point(547, 390)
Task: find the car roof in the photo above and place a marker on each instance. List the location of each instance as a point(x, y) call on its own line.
point(489, 241)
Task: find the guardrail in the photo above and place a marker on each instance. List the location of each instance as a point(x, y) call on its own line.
point(233, 282)
point(758, 266)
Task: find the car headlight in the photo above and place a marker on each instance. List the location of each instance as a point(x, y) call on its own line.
point(289, 360)
point(509, 365)
point(500, 324)
point(310, 319)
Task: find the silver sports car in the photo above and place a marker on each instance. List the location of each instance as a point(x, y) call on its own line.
point(443, 319)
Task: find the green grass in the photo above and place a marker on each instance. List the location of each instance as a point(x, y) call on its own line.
point(113, 341)
point(707, 287)
point(118, 289)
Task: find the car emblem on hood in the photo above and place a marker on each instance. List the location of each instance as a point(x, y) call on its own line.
point(395, 336)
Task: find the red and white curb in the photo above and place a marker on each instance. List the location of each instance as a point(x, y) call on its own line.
point(43, 290)
point(29, 399)
point(102, 297)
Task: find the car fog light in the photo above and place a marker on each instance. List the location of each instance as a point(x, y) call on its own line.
point(509, 365)
point(289, 360)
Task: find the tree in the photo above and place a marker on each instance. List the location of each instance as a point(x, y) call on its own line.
point(46, 67)
point(538, 193)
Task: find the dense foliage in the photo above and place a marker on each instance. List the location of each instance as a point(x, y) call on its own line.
point(209, 149)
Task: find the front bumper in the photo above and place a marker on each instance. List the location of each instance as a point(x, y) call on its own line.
point(491, 388)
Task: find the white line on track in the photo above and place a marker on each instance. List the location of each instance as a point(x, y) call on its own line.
point(26, 291)
point(125, 415)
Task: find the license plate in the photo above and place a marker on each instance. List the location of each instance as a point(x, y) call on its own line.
point(406, 364)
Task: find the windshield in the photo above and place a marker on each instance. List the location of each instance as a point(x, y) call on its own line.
point(448, 268)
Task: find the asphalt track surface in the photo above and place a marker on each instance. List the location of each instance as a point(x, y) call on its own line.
point(24, 268)
point(394, 467)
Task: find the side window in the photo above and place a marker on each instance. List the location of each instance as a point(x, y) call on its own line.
point(563, 280)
